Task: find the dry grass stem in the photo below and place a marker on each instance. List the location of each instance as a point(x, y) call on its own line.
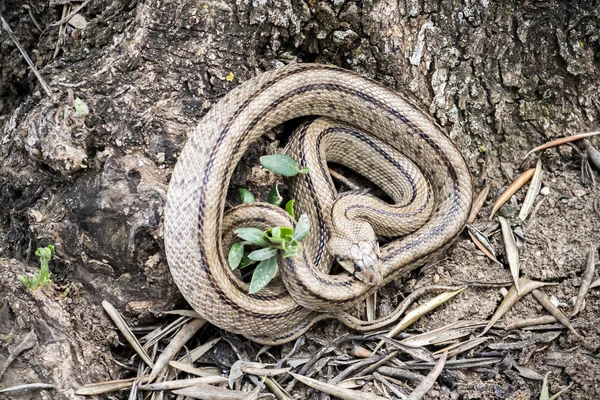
point(478, 203)
point(512, 252)
point(106, 387)
point(418, 312)
point(461, 347)
point(124, 328)
point(204, 371)
point(592, 153)
point(512, 189)
point(532, 192)
point(552, 309)
point(547, 319)
point(207, 392)
point(427, 383)
point(182, 383)
point(35, 71)
point(586, 281)
point(28, 386)
point(334, 390)
point(560, 141)
point(181, 338)
point(482, 243)
point(512, 298)
point(445, 333)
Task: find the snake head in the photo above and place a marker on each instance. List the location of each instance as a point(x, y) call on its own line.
point(357, 252)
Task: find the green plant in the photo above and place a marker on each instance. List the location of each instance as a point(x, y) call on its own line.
point(41, 277)
point(269, 242)
point(272, 240)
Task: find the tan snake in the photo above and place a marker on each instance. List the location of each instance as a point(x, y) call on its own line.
point(197, 232)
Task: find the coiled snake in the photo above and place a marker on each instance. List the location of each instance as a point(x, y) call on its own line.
point(368, 126)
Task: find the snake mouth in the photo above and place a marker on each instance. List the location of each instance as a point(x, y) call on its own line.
point(363, 262)
point(370, 276)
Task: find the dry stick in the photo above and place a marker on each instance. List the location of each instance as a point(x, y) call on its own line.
point(26, 57)
point(334, 390)
point(588, 275)
point(512, 189)
point(560, 141)
point(181, 338)
point(71, 15)
point(562, 318)
point(360, 367)
point(418, 312)
point(181, 383)
point(124, 328)
point(354, 368)
point(429, 380)
point(28, 386)
point(61, 29)
point(389, 385)
point(547, 319)
point(277, 390)
point(203, 391)
point(481, 284)
point(478, 203)
point(342, 179)
point(365, 326)
point(512, 252)
point(400, 373)
point(324, 350)
point(593, 154)
point(105, 387)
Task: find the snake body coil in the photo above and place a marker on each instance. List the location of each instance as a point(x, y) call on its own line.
point(197, 232)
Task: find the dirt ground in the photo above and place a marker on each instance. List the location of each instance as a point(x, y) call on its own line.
point(96, 189)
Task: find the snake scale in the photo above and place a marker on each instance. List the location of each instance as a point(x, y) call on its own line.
point(360, 112)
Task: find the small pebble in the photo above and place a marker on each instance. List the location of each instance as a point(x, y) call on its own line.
point(545, 191)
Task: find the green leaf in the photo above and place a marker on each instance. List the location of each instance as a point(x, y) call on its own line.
point(304, 170)
point(246, 196)
point(263, 274)
point(45, 253)
point(292, 251)
point(280, 164)
point(289, 207)
point(235, 255)
point(24, 280)
point(545, 395)
point(246, 262)
point(252, 235)
point(262, 254)
point(302, 228)
point(274, 197)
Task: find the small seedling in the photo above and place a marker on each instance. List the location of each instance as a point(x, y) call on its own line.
point(269, 243)
point(41, 277)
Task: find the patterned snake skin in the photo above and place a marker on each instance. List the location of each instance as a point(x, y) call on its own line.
point(360, 112)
